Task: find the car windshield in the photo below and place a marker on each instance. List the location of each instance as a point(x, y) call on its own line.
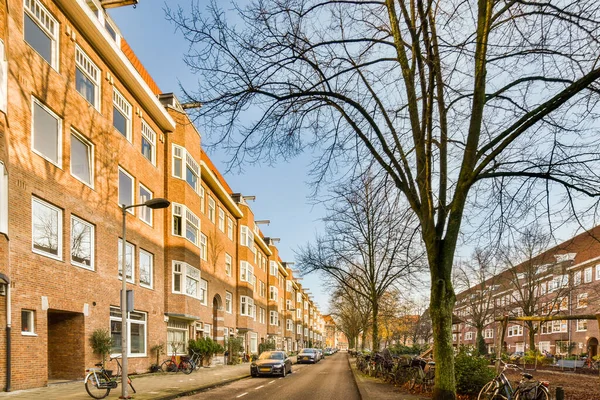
point(271, 355)
point(307, 351)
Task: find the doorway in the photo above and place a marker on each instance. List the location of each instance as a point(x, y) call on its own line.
point(218, 320)
point(592, 346)
point(66, 345)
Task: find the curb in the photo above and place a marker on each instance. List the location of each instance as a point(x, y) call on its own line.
point(202, 388)
point(360, 392)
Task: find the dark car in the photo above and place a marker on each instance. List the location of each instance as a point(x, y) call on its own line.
point(271, 363)
point(307, 356)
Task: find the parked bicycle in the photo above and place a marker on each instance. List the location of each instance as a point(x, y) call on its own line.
point(500, 388)
point(422, 374)
point(100, 381)
point(184, 365)
point(591, 364)
point(195, 359)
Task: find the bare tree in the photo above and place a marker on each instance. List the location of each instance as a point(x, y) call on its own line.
point(491, 102)
point(537, 284)
point(478, 277)
point(351, 312)
point(215, 248)
point(368, 245)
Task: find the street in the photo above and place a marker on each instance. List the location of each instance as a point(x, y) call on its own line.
point(330, 378)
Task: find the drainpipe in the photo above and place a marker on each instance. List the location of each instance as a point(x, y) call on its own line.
point(8, 336)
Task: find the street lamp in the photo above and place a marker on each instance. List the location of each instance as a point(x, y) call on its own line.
point(153, 204)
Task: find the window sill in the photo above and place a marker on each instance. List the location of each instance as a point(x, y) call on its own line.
point(28, 334)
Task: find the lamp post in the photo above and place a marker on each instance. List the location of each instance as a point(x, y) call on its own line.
point(153, 204)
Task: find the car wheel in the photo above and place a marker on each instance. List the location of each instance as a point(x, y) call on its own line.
point(284, 372)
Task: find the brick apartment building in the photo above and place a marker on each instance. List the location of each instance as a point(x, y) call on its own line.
point(567, 282)
point(83, 129)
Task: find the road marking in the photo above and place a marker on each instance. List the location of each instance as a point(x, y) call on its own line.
point(243, 394)
point(271, 382)
point(261, 386)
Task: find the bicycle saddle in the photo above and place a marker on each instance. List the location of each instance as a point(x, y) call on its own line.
point(526, 375)
point(98, 365)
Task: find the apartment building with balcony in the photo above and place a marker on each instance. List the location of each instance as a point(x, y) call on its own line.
point(566, 281)
point(83, 130)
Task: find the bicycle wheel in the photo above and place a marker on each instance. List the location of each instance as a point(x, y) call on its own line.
point(168, 366)
point(413, 378)
point(186, 366)
point(92, 382)
point(488, 391)
point(542, 395)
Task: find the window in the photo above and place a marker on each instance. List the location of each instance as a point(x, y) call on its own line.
point(559, 282)
point(262, 289)
point(581, 325)
point(246, 237)
point(125, 189)
point(146, 268)
point(186, 279)
point(587, 275)
point(563, 303)
point(46, 229)
point(289, 325)
point(202, 196)
point(111, 30)
point(515, 330)
point(121, 114)
point(211, 209)
point(190, 225)
point(253, 342)
point(221, 219)
point(576, 278)
point(246, 306)
point(82, 159)
point(544, 346)
point(28, 322)
point(203, 291)
point(46, 133)
point(136, 324)
point(273, 318)
point(288, 285)
point(554, 326)
point(262, 316)
point(582, 300)
point(247, 272)
point(145, 212)
point(598, 272)
point(207, 330)
point(228, 302)
point(273, 268)
point(87, 78)
point(192, 172)
point(203, 246)
point(299, 329)
point(177, 336)
point(543, 288)
point(469, 336)
point(298, 313)
point(41, 31)
point(228, 263)
point(229, 228)
point(273, 293)
point(3, 199)
point(177, 161)
point(488, 334)
point(148, 143)
point(3, 79)
point(82, 243)
point(129, 260)
point(299, 297)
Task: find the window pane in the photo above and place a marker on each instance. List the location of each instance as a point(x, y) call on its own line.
point(145, 212)
point(125, 189)
point(191, 178)
point(81, 242)
point(85, 86)
point(80, 159)
point(38, 39)
point(147, 149)
point(120, 121)
point(128, 259)
point(115, 334)
point(137, 338)
point(46, 222)
point(45, 133)
point(27, 321)
point(145, 268)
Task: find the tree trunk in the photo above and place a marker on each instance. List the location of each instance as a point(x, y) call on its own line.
point(440, 309)
point(363, 338)
point(531, 336)
point(375, 326)
point(481, 346)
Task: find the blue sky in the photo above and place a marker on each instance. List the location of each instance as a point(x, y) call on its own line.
point(281, 191)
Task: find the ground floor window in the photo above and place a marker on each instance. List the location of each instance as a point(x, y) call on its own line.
point(253, 342)
point(177, 336)
point(137, 327)
point(520, 346)
point(544, 346)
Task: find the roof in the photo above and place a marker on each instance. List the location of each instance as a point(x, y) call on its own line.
point(215, 171)
point(137, 64)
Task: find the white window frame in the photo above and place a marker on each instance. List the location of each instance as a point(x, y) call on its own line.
point(202, 194)
point(128, 245)
point(91, 240)
point(247, 272)
point(598, 272)
point(177, 155)
point(123, 106)
point(273, 318)
point(581, 325)
point(149, 136)
point(211, 209)
point(90, 157)
point(246, 306)
point(130, 321)
point(193, 168)
point(144, 253)
point(132, 199)
point(262, 316)
point(203, 288)
point(30, 317)
point(221, 220)
point(228, 302)
point(289, 324)
point(468, 335)
point(246, 237)
point(273, 268)
point(587, 275)
point(59, 134)
point(580, 297)
point(91, 71)
point(186, 217)
point(273, 293)
point(59, 228)
point(48, 25)
point(3, 199)
point(488, 334)
point(188, 275)
point(179, 328)
point(230, 228)
point(203, 246)
point(577, 278)
point(228, 264)
point(146, 213)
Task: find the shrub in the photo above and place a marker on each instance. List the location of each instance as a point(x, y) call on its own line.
point(101, 343)
point(471, 373)
point(206, 347)
point(531, 356)
point(268, 345)
point(234, 347)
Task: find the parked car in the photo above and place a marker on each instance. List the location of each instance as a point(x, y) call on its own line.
point(516, 356)
point(271, 363)
point(328, 351)
point(308, 356)
point(321, 355)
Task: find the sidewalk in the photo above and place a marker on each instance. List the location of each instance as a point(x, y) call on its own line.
point(374, 389)
point(148, 386)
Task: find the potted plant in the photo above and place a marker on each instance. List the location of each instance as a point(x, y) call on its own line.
point(101, 343)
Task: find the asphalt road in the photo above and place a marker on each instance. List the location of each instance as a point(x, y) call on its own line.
point(329, 379)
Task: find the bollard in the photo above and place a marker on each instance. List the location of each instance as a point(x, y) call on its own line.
point(560, 393)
